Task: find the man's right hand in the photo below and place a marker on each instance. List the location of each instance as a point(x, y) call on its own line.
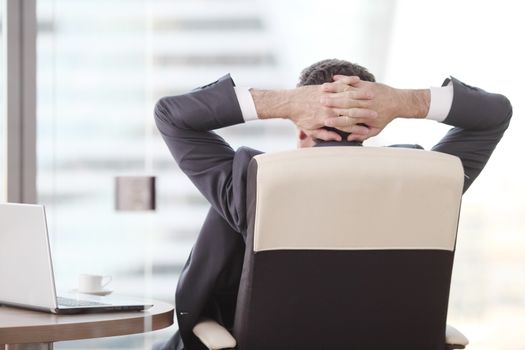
point(388, 102)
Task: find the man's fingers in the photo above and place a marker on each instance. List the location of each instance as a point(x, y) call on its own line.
point(334, 87)
point(354, 94)
point(345, 83)
point(348, 80)
point(338, 122)
point(356, 137)
point(348, 125)
point(346, 99)
point(357, 115)
point(361, 137)
point(359, 130)
point(324, 134)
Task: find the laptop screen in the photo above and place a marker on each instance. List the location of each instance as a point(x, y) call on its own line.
point(26, 271)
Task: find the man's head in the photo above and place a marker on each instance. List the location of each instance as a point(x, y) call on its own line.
point(323, 72)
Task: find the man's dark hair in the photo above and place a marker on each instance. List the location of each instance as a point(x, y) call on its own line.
point(324, 71)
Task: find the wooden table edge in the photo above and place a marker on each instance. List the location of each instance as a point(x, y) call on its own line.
point(144, 321)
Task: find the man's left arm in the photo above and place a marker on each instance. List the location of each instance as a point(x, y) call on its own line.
point(479, 121)
point(479, 118)
point(186, 122)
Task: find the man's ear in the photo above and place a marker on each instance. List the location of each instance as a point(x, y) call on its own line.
point(302, 135)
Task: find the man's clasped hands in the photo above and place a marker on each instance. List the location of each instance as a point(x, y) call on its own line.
point(352, 105)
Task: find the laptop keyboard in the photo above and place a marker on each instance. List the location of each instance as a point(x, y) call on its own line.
point(75, 302)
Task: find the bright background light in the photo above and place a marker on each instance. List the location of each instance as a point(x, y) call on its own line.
point(103, 64)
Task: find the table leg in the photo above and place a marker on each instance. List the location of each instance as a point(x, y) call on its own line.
point(30, 346)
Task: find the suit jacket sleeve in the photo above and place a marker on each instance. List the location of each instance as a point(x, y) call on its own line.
point(185, 122)
point(480, 120)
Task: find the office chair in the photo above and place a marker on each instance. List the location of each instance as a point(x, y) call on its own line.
point(347, 248)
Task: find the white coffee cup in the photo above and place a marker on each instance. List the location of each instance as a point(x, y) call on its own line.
point(92, 283)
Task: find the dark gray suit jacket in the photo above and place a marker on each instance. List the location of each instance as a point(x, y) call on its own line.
point(210, 279)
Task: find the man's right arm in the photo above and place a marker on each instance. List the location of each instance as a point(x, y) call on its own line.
point(186, 122)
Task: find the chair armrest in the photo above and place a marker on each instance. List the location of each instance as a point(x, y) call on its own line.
point(216, 337)
point(213, 335)
point(454, 339)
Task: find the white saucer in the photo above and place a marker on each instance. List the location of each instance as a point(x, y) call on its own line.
point(96, 292)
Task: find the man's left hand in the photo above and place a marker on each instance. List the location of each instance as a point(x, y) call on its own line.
point(340, 95)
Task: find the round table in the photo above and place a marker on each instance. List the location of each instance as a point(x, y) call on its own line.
point(25, 329)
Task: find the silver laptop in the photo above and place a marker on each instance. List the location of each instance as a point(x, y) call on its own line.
point(26, 268)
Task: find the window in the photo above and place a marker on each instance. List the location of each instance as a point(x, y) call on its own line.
point(103, 64)
point(100, 71)
point(2, 121)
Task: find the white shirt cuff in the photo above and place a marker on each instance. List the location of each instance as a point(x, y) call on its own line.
point(246, 103)
point(440, 102)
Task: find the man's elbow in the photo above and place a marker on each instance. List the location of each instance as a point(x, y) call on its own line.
point(161, 113)
point(508, 106)
point(505, 111)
